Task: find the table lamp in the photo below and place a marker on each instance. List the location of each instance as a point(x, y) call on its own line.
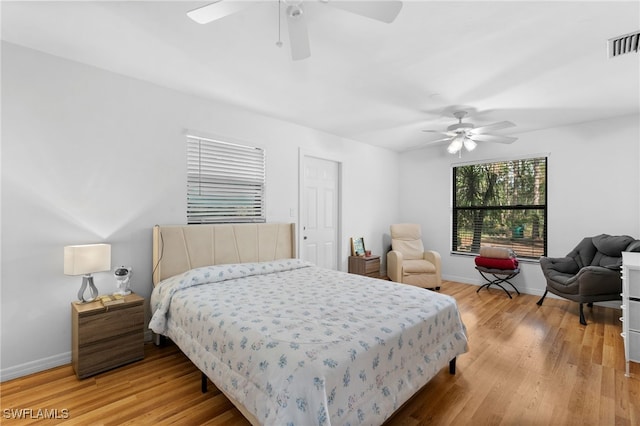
point(85, 260)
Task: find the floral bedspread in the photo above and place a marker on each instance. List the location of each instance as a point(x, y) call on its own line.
point(301, 345)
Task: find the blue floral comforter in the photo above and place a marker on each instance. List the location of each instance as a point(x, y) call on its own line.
point(301, 345)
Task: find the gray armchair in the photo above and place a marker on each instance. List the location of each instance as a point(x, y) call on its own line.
point(590, 272)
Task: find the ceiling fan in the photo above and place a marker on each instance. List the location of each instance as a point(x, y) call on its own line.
point(467, 135)
point(380, 10)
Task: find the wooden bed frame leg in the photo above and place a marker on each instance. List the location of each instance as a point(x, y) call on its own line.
point(203, 383)
point(452, 366)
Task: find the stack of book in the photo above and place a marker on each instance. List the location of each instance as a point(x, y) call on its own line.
point(111, 299)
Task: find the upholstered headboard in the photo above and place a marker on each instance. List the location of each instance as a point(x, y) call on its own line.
point(179, 248)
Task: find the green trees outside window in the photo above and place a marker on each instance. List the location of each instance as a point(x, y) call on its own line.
point(501, 204)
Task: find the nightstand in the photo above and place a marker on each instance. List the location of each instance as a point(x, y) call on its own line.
point(105, 337)
point(365, 265)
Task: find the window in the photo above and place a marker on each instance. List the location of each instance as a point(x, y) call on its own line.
point(502, 204)
point(225, 182)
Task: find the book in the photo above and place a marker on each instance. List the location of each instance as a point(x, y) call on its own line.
point(111, 299)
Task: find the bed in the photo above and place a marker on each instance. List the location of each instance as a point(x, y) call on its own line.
point(290, 343)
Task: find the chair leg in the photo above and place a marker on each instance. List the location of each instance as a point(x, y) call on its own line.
point(582, 320)
point(539, 302)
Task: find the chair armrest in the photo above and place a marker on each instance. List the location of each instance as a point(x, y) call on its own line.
point(394, 266)
point(595, 280)
point(565, 265)
point(433, 257)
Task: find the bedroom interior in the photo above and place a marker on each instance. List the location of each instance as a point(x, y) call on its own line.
point(98, 97)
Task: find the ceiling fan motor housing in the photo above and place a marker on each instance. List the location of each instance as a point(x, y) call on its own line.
point(460, 127)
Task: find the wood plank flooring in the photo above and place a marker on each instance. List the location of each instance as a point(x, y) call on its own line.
point(526, 365)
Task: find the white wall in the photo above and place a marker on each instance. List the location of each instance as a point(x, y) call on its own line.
point(91, 156)
point(593, 188)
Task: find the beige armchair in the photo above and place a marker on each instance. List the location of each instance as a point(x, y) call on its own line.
point(408, 262)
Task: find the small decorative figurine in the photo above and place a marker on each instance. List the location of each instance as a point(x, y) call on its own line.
point(123, 280)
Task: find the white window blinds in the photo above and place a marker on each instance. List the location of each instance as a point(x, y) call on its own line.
point(501, 204)
point(225, 182)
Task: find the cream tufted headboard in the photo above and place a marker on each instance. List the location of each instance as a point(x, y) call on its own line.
point(179, 248)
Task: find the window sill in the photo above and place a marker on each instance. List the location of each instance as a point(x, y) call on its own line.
point(520, 259)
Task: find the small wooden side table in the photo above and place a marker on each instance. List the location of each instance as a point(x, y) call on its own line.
point(365, 265)
point(105, 337)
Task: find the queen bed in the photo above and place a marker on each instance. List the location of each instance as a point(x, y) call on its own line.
point(290, 343)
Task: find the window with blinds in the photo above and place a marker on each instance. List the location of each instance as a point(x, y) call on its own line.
point(225, 182)
point(501, 204)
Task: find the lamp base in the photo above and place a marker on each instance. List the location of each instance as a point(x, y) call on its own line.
point(87, 281)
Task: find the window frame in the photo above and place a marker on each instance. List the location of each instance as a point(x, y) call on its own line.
point(226, 181)
point(544, 158)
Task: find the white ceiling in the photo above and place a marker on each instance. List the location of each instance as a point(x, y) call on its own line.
point(537, 64)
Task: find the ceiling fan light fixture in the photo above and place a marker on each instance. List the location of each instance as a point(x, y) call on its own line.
point(470, 144)
point(455, 145)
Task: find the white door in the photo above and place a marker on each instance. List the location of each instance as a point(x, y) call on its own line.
point(319, 218)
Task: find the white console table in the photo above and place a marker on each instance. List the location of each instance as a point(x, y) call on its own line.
point(631, 307)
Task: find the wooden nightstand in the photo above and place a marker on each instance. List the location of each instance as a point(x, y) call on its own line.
point(106, 337)
point(365, 265)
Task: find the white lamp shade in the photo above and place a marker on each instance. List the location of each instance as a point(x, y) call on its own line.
point(86, 259)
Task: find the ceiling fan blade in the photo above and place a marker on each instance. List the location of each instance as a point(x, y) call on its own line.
point(383, 10)
point(438, 141)
point(493, 138)
point(216, 10)
point(491, 127)
point(450, 134)
point(298, 34)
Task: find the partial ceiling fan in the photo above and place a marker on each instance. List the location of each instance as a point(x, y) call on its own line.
point(380, 10)
point(467, 135)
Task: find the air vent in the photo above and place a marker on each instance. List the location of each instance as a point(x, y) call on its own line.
point(624, 44)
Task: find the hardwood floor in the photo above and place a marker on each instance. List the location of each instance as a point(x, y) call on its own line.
point(526, 365)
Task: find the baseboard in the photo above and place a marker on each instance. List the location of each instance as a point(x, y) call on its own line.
point(34, 366)
point(479, 282)
point(462, 280)
point(45, 363)
point(616, 304)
